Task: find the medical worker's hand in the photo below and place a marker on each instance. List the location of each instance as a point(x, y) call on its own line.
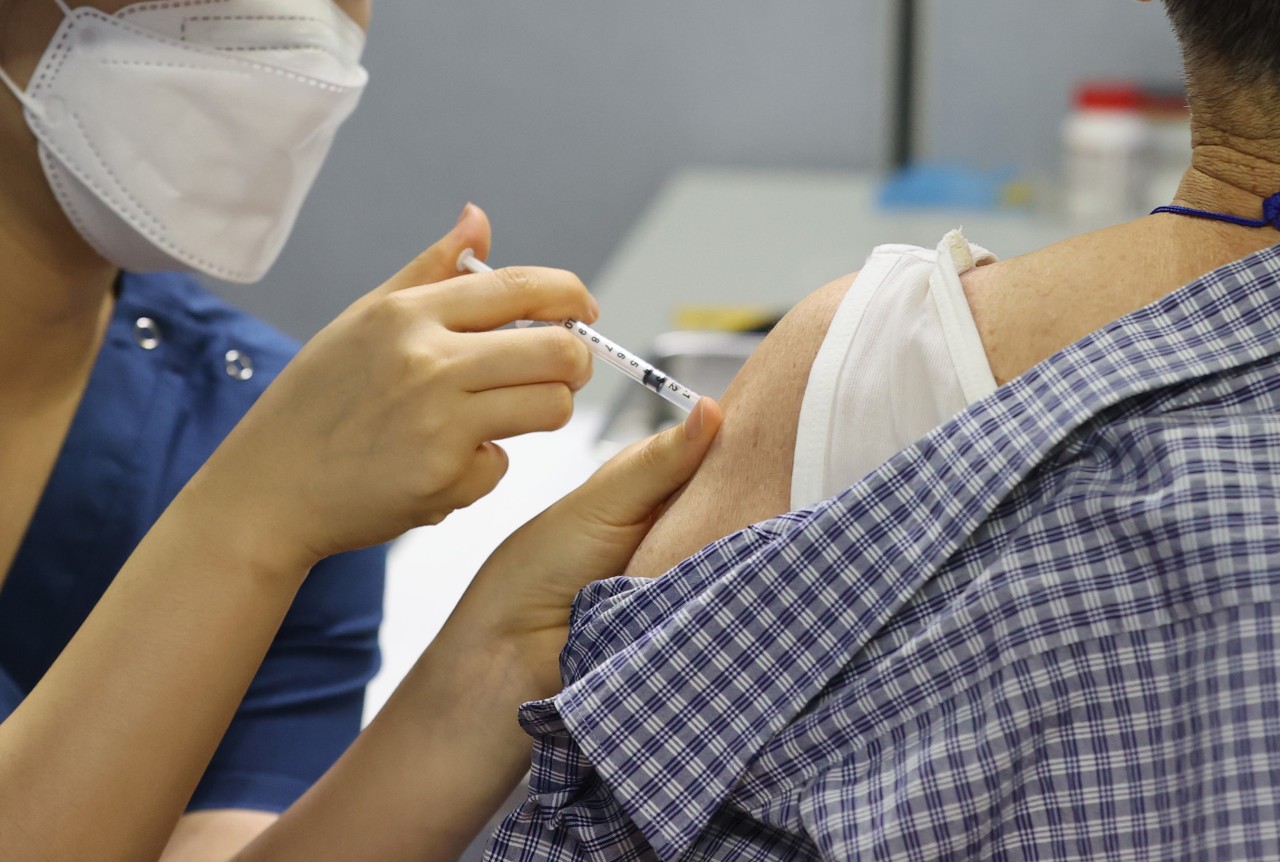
point(386, 419)
point(447, 743)
point(524, 591)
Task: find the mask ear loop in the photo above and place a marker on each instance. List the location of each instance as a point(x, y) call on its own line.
point(27, 102)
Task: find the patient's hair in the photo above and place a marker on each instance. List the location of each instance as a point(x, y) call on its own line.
point(1237, 42)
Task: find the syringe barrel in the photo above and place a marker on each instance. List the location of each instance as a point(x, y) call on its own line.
point(632, 366)
point(685, 398)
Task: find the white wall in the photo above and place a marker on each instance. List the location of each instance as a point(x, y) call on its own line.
point(998, 74)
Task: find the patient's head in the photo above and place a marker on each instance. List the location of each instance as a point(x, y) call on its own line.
point(1232, 53)
point(1239, 39)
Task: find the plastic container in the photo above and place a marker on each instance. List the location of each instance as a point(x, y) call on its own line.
point(1169, 150)
point(1106, 140)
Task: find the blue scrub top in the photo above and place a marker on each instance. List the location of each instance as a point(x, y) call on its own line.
point(162, 395)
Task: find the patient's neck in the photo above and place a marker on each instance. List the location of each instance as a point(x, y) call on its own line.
point(1235, 167)
point(1224, 179)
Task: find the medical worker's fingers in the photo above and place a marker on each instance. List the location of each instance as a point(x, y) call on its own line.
point(517, 357)
point(633, 484)
point(482, 301)
point(371, 429)
point(526, 587)
point(440, 261)
point(520, 292)
point(488, 466)
point(499, 414)
point(611, 514)
point(601, 523)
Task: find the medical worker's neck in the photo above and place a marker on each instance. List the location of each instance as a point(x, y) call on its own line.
point(56, 294)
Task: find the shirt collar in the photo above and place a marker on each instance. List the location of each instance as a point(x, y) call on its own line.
point(714, 675)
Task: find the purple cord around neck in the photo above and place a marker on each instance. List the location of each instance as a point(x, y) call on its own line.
point(1270, 214)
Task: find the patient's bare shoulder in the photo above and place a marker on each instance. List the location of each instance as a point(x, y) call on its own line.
point(746, 476)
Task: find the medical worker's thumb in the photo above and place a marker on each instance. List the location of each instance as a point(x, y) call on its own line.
point(440, 261)
point(629, 488)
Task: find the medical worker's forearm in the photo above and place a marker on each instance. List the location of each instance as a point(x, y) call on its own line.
point(383, 422)
point(424, 777)
point(100, 760)
point(447, 749)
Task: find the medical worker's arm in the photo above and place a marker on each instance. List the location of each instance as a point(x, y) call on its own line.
point(216, 835)
point(383, 422)
point(446, 749)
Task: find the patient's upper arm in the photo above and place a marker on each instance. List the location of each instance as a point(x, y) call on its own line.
point(746, 476)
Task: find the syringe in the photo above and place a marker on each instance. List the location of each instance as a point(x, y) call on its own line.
point(610, 351)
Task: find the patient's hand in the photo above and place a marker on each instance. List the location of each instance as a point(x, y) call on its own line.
point(746, 476)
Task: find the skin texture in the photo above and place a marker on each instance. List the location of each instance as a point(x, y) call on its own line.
point(747, 474)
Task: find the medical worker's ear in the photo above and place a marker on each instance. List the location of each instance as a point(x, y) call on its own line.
point(440, 262)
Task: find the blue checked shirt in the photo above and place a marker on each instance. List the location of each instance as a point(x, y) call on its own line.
point(1045, 631)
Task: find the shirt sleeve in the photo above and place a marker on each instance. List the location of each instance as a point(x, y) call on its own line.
point(304, 706)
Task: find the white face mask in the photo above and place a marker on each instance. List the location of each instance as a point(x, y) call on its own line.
point(185, 134)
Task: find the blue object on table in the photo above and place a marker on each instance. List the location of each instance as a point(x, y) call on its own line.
point(944, 186)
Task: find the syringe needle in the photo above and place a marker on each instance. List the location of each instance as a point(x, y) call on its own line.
point(610, 351)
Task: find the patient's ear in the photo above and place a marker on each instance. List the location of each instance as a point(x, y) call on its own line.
point(746, 476)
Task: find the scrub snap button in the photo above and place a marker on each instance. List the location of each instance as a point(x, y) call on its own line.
point(239, 365)
point(146, 333)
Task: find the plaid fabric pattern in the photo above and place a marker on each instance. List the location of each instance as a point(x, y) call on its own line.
point(1045, 631)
